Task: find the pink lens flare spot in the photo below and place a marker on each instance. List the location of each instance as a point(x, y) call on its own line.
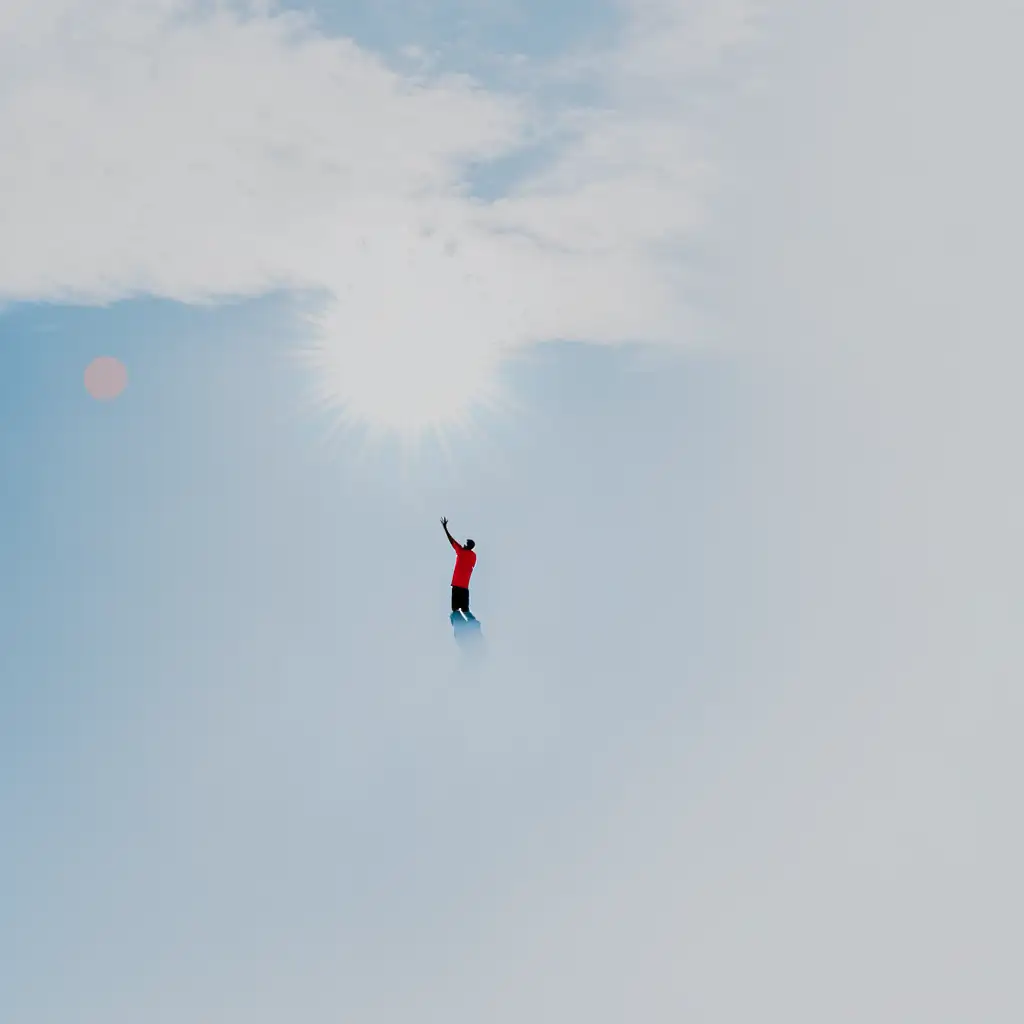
point(105, 378)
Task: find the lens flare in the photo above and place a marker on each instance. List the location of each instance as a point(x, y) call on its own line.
point(105, 378)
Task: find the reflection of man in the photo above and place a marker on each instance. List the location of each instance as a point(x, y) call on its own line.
point(465, 560)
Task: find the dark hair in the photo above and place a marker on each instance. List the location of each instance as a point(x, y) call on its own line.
point(470, 544)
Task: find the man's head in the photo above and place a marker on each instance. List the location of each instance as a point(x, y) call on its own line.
point(470, 544)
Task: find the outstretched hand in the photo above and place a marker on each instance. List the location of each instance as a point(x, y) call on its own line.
point(444, 522)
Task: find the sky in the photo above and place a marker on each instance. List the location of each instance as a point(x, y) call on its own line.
point(700, 317)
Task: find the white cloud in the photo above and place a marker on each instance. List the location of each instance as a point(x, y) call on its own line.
point(191, 151)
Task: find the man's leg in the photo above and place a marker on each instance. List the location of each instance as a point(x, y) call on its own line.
point(460, 599)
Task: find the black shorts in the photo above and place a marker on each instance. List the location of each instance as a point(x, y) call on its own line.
point(460, 599)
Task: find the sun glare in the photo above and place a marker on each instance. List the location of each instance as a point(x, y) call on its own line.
point(401, 379)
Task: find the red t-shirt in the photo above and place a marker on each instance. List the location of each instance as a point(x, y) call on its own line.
point(464, 562)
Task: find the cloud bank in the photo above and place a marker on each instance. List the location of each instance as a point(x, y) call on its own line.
point(195, 151)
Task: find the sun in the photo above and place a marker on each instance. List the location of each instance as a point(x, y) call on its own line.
point(399, 375)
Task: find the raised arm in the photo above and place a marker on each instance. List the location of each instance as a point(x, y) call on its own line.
point(451, 540)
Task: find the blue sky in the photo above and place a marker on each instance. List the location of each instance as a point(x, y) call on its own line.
point(212, 610)
point(729, 292)
point(457, 29)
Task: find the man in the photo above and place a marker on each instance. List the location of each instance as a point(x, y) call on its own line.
point(465, 560)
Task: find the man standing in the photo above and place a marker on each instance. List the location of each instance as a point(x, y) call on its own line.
point(465, 560)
